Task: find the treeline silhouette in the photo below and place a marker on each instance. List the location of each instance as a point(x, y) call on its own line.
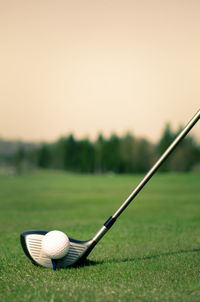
point(126, 154)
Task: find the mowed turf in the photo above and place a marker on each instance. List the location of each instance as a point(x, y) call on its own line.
point(152, 253)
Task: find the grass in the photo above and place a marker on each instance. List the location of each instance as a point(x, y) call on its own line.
point(152, 252)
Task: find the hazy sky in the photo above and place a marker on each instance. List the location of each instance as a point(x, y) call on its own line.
point(88, 66)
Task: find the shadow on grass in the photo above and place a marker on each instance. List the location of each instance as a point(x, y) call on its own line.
point(88, 262)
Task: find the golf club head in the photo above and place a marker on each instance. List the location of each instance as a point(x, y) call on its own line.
point(31, 242)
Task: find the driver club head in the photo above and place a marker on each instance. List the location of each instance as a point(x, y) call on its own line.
point(31, 242)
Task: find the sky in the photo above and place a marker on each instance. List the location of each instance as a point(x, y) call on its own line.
point(90, 67)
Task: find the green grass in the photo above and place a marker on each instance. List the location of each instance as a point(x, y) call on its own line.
point(152, 253)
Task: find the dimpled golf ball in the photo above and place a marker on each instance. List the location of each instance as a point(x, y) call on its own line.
point(55, 244)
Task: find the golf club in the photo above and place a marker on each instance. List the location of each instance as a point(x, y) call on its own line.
point(78, 250)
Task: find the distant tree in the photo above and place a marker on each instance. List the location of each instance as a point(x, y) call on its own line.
point(58, 154)
point(128, 153)
point(19, 158)
point(166, 139)
point(136, 154)
point(70, 153)
point(98, 157)
point(87, 156)
point(111, 154)
point(144, 155)
point(44, 156)
point(186, 156)
point(32, 158)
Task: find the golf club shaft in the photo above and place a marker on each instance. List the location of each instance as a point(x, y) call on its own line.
point(107, 225)
point(159, 162)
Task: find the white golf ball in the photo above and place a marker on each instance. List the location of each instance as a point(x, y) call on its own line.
point(55, 244)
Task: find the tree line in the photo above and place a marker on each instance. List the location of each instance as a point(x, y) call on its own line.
point(126, 154)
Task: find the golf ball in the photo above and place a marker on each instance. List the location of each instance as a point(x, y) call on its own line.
point(55, 244)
